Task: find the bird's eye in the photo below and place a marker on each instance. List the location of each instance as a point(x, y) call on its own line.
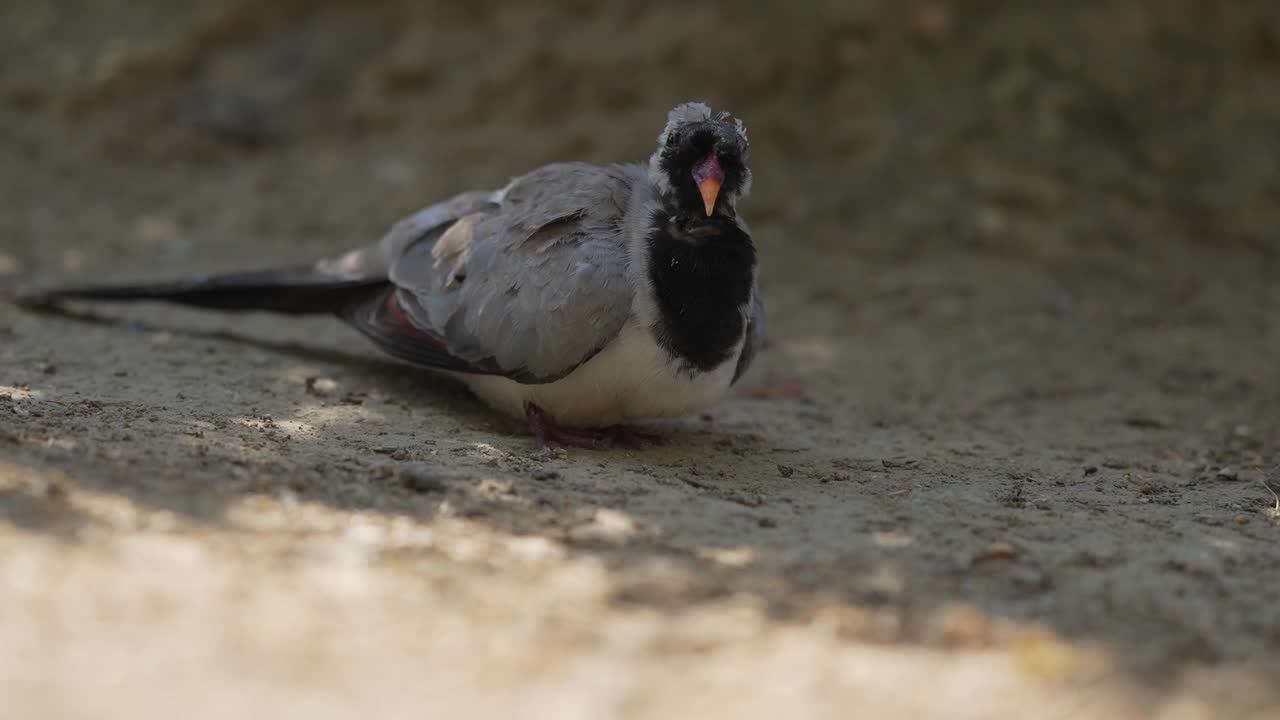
point(673, 139)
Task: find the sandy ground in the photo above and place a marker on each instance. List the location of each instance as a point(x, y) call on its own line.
point(1022, 257)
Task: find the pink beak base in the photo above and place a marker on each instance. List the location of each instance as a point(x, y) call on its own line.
point(709, 176)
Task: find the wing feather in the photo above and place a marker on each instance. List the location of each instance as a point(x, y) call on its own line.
point(529, 284)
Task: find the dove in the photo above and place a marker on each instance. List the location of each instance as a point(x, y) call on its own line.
point(579, 298)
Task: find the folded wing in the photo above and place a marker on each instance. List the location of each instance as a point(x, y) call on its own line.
point(527, 283)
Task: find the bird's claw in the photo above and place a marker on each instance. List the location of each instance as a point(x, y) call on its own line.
point(546, 431)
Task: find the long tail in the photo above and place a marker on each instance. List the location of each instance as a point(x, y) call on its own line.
point(293, 291)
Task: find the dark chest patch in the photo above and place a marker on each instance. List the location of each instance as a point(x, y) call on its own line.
point(702, 277)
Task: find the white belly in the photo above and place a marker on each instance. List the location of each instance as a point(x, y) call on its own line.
point(631, 379)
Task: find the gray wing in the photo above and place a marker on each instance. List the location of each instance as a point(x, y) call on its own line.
point(375, 261)
point(755, 336)
point(530, 283)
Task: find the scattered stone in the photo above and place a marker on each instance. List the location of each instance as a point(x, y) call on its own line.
point(1146, 485)
point(786, 471)
point(605, 526)
point(765, 522)
point(320, 386)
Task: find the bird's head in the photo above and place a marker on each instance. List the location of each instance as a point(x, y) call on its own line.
point(701, 162)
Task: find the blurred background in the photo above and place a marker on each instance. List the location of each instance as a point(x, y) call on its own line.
point(883, 130)
point(1026, 250)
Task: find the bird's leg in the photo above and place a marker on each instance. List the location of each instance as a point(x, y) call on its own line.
point(545, 431)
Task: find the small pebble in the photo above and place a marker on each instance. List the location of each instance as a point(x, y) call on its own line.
point(320, 386)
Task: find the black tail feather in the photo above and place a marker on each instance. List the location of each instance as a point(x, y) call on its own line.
point(296, 291)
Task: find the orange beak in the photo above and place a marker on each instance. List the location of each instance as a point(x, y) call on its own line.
point(709, 176)
point(710, 189)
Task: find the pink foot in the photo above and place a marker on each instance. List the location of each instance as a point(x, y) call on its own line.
point(546, 431)
point(790, 388)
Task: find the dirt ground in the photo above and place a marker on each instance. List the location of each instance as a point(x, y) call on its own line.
point(1023, 257)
